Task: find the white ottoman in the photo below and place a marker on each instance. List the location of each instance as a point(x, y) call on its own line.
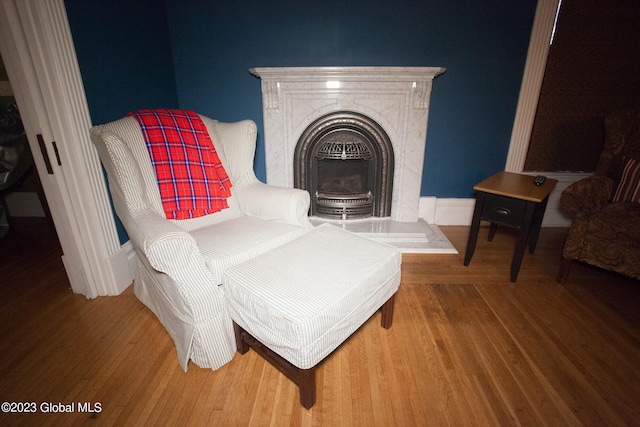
point(297, 303)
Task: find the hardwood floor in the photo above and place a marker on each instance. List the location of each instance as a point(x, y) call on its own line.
point(467, 347)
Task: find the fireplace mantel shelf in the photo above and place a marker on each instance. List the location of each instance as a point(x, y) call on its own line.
point(394, 74)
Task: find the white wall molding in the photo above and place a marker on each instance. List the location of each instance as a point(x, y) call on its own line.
point(531, 83)
point(459, 211)
point(39, 55)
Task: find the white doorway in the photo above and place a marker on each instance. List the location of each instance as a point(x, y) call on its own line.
point(37, 48)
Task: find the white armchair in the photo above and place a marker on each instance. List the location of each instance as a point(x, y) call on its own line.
point(181, 262)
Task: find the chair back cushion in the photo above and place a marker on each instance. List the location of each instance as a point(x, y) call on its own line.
point(126, 159)
point(629, 185)
point(622, 142)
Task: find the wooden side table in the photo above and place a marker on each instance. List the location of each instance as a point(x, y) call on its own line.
point(513, 200)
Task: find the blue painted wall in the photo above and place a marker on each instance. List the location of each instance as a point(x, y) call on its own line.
point(124, 51)
point(196, 54)
point(483, 45)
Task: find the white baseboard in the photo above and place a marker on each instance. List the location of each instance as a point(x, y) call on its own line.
point(444, 211)
point(123, 268)
point(452, 211)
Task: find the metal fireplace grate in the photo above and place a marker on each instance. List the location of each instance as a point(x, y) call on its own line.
point(345, 161)
point(344, 206)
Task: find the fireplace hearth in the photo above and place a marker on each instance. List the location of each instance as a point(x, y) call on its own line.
point(355, 138)
point(345, 160)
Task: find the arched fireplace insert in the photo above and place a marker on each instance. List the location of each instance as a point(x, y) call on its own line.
point(345, 160)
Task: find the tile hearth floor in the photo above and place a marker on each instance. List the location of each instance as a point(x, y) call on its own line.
point(410, 237)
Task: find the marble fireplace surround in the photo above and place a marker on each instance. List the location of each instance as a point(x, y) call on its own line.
point(397, 98)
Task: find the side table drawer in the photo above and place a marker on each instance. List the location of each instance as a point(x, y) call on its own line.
point(503, 210)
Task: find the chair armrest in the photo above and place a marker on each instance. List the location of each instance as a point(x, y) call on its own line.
point(161, 241)
point(589, 194)
point(270, 202)
point(173, 251)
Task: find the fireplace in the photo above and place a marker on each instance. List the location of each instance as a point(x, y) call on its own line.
point(355, 138)
point(345, 160)
point(391, 101)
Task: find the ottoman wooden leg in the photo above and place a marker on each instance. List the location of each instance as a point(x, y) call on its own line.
point(241, 344)
point(387, 312)
point(307, 385)
point(305, 379)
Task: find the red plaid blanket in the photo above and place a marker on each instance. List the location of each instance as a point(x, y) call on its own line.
point(191, 177)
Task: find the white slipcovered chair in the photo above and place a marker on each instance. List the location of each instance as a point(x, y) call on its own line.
point(181, 262)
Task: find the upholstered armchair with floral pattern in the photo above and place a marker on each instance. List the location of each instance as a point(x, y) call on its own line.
point(606, 227)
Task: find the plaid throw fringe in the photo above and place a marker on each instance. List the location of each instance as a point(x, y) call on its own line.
point(191, 178)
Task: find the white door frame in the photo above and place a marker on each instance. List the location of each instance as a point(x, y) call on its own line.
point(38, 52)
point(531, 84)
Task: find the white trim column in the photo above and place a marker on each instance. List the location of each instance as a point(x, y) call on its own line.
point(531, 84)
point(39, 55)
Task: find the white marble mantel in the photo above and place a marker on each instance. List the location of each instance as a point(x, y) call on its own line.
point(396, 97)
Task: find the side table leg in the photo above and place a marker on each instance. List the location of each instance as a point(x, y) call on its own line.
point(492, 231)
point(538, 215)
point(523, 236)
point(475, 226)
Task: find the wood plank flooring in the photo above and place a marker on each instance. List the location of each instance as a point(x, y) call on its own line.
point(467, 347)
